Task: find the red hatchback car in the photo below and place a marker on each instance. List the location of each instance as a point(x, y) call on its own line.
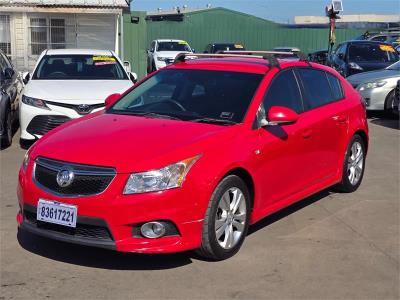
point(194, 154)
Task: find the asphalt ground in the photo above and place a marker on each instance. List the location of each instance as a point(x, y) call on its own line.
point(328, 246)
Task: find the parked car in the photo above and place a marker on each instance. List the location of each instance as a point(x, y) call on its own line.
point(67, 84)
point(397, 97)
point(354, 57)
point(391, 37)
point(162, 53)
point(320, 56)
point(378, 88)
point(216, 47)
point(195, 153)
point(10, 91)
point(294, 50)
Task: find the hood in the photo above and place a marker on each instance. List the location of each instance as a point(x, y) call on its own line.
point(372, 76)
point(170, 54)
point(82, 91)
point(129, 143)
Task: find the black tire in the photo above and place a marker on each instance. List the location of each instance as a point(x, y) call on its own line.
point(345, 185)
point(210, 248)
point(391, 106)
point(6, 139)
point(153, 67)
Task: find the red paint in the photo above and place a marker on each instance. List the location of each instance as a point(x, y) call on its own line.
point(307, 158)
point(110, 100)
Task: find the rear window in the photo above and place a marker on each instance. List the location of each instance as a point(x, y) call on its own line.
point(372, 52)
point(336, 87)
point(317, 88)
point(89, 67)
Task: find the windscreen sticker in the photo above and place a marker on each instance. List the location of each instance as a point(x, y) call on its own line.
point(387, 48)
point(102, 63)
point(226, 115)
point(103, 58)
point(238, 46)
point(183, 43)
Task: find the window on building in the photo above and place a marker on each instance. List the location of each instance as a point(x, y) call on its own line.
point(5, 37)
point(47, 33)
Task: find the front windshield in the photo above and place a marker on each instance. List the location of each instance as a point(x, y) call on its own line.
point(395, 66)
point(192, 95)
point(372, 52)
point(89, 67)
point(173, 46)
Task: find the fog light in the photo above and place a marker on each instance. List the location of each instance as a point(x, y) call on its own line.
point(152, 230)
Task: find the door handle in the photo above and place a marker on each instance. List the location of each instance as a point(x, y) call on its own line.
point(340, 119)
point(307, 133)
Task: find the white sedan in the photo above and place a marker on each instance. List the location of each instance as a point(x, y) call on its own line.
point(67, 84)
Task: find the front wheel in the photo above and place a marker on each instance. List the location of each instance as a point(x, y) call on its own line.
point(354, 165)
point(227, 219)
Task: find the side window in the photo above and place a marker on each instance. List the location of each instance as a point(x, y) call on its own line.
point(336, 87)
point(284, 91)
point(316, 87)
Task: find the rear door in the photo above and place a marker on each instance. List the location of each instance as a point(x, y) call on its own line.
point(327, 113)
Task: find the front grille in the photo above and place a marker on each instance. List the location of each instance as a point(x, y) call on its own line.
point(87, 180)
point(81, 230)
point(42, 124)
point(82, 109)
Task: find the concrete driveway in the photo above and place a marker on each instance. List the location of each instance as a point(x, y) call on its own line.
point(327, 246)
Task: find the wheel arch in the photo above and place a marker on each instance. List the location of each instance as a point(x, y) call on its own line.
point(247, 179)
point(387, 98)
point(364, 137)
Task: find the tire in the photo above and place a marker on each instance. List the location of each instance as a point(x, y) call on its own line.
point(353, 166)
point(391, 106)
point(225, 240)
point(6, 140)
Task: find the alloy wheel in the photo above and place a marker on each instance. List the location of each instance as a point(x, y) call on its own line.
point(230, 218)
point(355, 163)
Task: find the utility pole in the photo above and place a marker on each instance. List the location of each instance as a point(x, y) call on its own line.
point(332, 12)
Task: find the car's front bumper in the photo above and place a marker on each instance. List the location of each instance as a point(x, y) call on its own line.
point(375, 98)
point(122, 213)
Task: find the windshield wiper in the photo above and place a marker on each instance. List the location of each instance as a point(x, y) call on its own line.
point(213, 120)
point(148, 114)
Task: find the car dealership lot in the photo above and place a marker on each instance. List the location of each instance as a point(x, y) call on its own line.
point(327, 246)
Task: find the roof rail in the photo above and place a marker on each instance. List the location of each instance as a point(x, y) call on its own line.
point(271, 56)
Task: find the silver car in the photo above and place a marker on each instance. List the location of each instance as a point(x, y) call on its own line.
point(378, 87)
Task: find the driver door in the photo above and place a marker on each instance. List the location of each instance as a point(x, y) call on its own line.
point(284, 160)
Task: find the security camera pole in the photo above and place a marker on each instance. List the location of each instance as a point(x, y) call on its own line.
point(332, 11)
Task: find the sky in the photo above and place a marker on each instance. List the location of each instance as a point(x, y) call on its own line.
point(277, 10)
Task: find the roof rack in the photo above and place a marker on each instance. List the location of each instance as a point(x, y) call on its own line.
point(271, 56)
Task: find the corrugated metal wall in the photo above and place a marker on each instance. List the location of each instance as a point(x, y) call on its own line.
point(223, 25)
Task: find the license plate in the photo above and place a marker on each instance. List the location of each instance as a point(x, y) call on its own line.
point(56, 213)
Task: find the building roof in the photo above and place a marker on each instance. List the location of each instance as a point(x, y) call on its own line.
point(347, 19)
point(67, 3)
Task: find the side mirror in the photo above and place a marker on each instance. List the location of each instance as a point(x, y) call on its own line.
point(110, 100)
point(26, 76)
point(8, 73)
point(133, 76)
point(279, 115)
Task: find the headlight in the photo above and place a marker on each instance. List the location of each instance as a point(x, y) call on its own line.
point(169, 177)
point(161, 58)
point(25, 162)
point(371, 85)
point(34, 102)
point(354, 66)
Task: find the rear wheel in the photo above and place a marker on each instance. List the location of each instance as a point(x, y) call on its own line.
point(7, 136)
point(354, 165)
point(227, 219)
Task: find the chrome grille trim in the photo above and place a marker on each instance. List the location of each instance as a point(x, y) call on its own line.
point(79, 170)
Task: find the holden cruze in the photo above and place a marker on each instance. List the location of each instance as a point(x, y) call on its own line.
point(194, 154)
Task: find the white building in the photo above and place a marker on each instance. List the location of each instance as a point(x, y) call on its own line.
point(27, 27)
